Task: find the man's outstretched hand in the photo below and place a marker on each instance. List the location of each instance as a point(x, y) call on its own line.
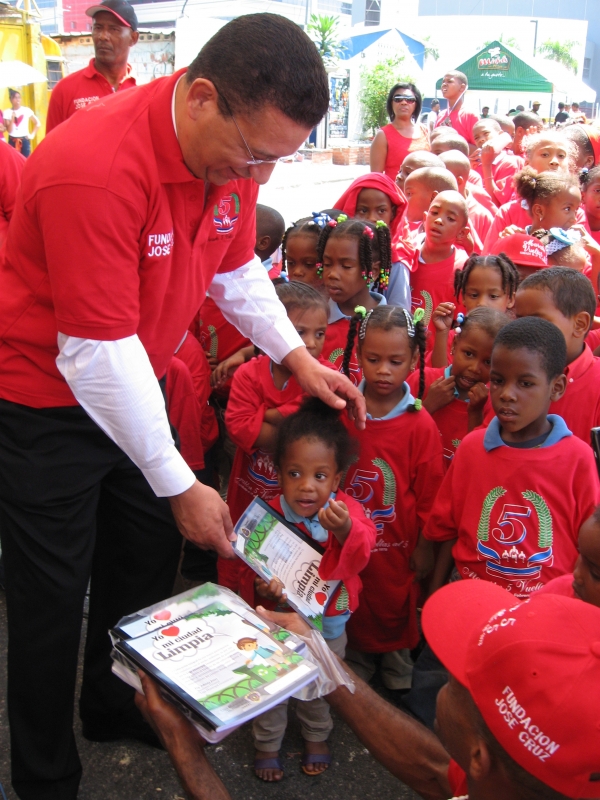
point(204, 519)
point(329, 385)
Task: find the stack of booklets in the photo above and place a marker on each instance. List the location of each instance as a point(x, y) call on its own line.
point(276, 548)
point(213, 657)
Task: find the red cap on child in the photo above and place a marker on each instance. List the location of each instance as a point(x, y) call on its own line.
point(533, 671)
point(522, 249)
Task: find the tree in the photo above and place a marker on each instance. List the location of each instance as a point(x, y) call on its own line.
point(555, 51)
point(376, 83)
point(324, 33)
point(429, 50)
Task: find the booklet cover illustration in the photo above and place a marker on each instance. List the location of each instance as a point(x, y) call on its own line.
point(221, 664)
point(274, 548)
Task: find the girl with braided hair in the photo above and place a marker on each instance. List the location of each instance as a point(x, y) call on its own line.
point(456, 395)
point(299, 248)
point(489, 281)
point(396, 479)
point(353, 254)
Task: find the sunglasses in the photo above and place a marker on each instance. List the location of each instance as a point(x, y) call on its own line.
point(404, 98)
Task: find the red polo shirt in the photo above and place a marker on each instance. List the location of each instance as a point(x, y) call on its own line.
point(79, 90)
point(112, 236)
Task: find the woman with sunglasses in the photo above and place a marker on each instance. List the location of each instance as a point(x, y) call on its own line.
point(403, 135)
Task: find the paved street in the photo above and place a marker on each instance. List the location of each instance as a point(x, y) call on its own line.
point(296, 189)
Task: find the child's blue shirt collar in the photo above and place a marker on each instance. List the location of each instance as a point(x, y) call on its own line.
point(492, 438)
point(399, 408)
point(317, 531)
point(335, 313)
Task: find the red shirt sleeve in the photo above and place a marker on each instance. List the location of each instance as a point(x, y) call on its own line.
point(246, 407)
point(94, 275)
point(341, 562)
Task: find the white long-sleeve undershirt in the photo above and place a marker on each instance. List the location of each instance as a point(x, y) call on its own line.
point(115, 384)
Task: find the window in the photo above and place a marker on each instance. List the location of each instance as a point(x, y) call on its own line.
point(373, 12)
point(587, 63)
point(54, 73)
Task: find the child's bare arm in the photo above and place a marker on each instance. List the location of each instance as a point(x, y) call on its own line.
point(223, 371)
point(442, 322)
point(478, 396)
point(336, 518)
point(266, 438)
point(443, 566)
point(268, 430)
point(422, 560)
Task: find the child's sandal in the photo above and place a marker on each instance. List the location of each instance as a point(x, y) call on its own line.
point(315, 758)
point(268, 763)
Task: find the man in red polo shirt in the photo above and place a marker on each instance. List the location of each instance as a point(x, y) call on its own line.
point(114, 32)
point(118, 233)
point(517, 719)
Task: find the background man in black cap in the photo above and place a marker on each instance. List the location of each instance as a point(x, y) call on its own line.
point(114, 32)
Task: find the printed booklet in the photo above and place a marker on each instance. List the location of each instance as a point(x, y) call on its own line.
point(213, 657)
point(275, 548)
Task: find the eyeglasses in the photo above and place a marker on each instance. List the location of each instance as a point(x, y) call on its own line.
point(255, 161)
point(404, 98)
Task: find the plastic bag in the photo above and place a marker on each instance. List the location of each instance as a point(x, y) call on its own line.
point(331, 672)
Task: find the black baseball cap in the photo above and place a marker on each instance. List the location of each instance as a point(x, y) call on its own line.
point(121, 9)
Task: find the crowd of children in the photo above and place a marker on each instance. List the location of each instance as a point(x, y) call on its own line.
point(461, 299)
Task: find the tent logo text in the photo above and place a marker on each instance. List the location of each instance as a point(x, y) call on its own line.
point(496, 60)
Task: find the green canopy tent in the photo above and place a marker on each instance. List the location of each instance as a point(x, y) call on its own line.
point(497, 68)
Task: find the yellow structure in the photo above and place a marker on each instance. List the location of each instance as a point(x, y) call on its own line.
point(21, 39)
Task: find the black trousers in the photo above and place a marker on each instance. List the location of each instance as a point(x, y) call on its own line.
point(72, 507)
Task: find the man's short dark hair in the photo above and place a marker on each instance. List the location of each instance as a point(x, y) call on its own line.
point(571, 291)
point(265, 59)
point(561, 106)
point(525, 119)
point(538, 336)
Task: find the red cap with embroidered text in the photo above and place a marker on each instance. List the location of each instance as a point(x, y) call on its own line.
point(533, 671)
point(523, 250)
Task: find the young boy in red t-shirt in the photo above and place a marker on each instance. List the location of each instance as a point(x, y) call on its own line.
point(517, 492)
point(480, 218)
point(496, 169)
point(566, 298)
point(420, 187)
point(434, 264)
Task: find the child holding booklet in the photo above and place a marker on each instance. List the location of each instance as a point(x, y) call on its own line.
point(312, 451)
point(262, 394)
